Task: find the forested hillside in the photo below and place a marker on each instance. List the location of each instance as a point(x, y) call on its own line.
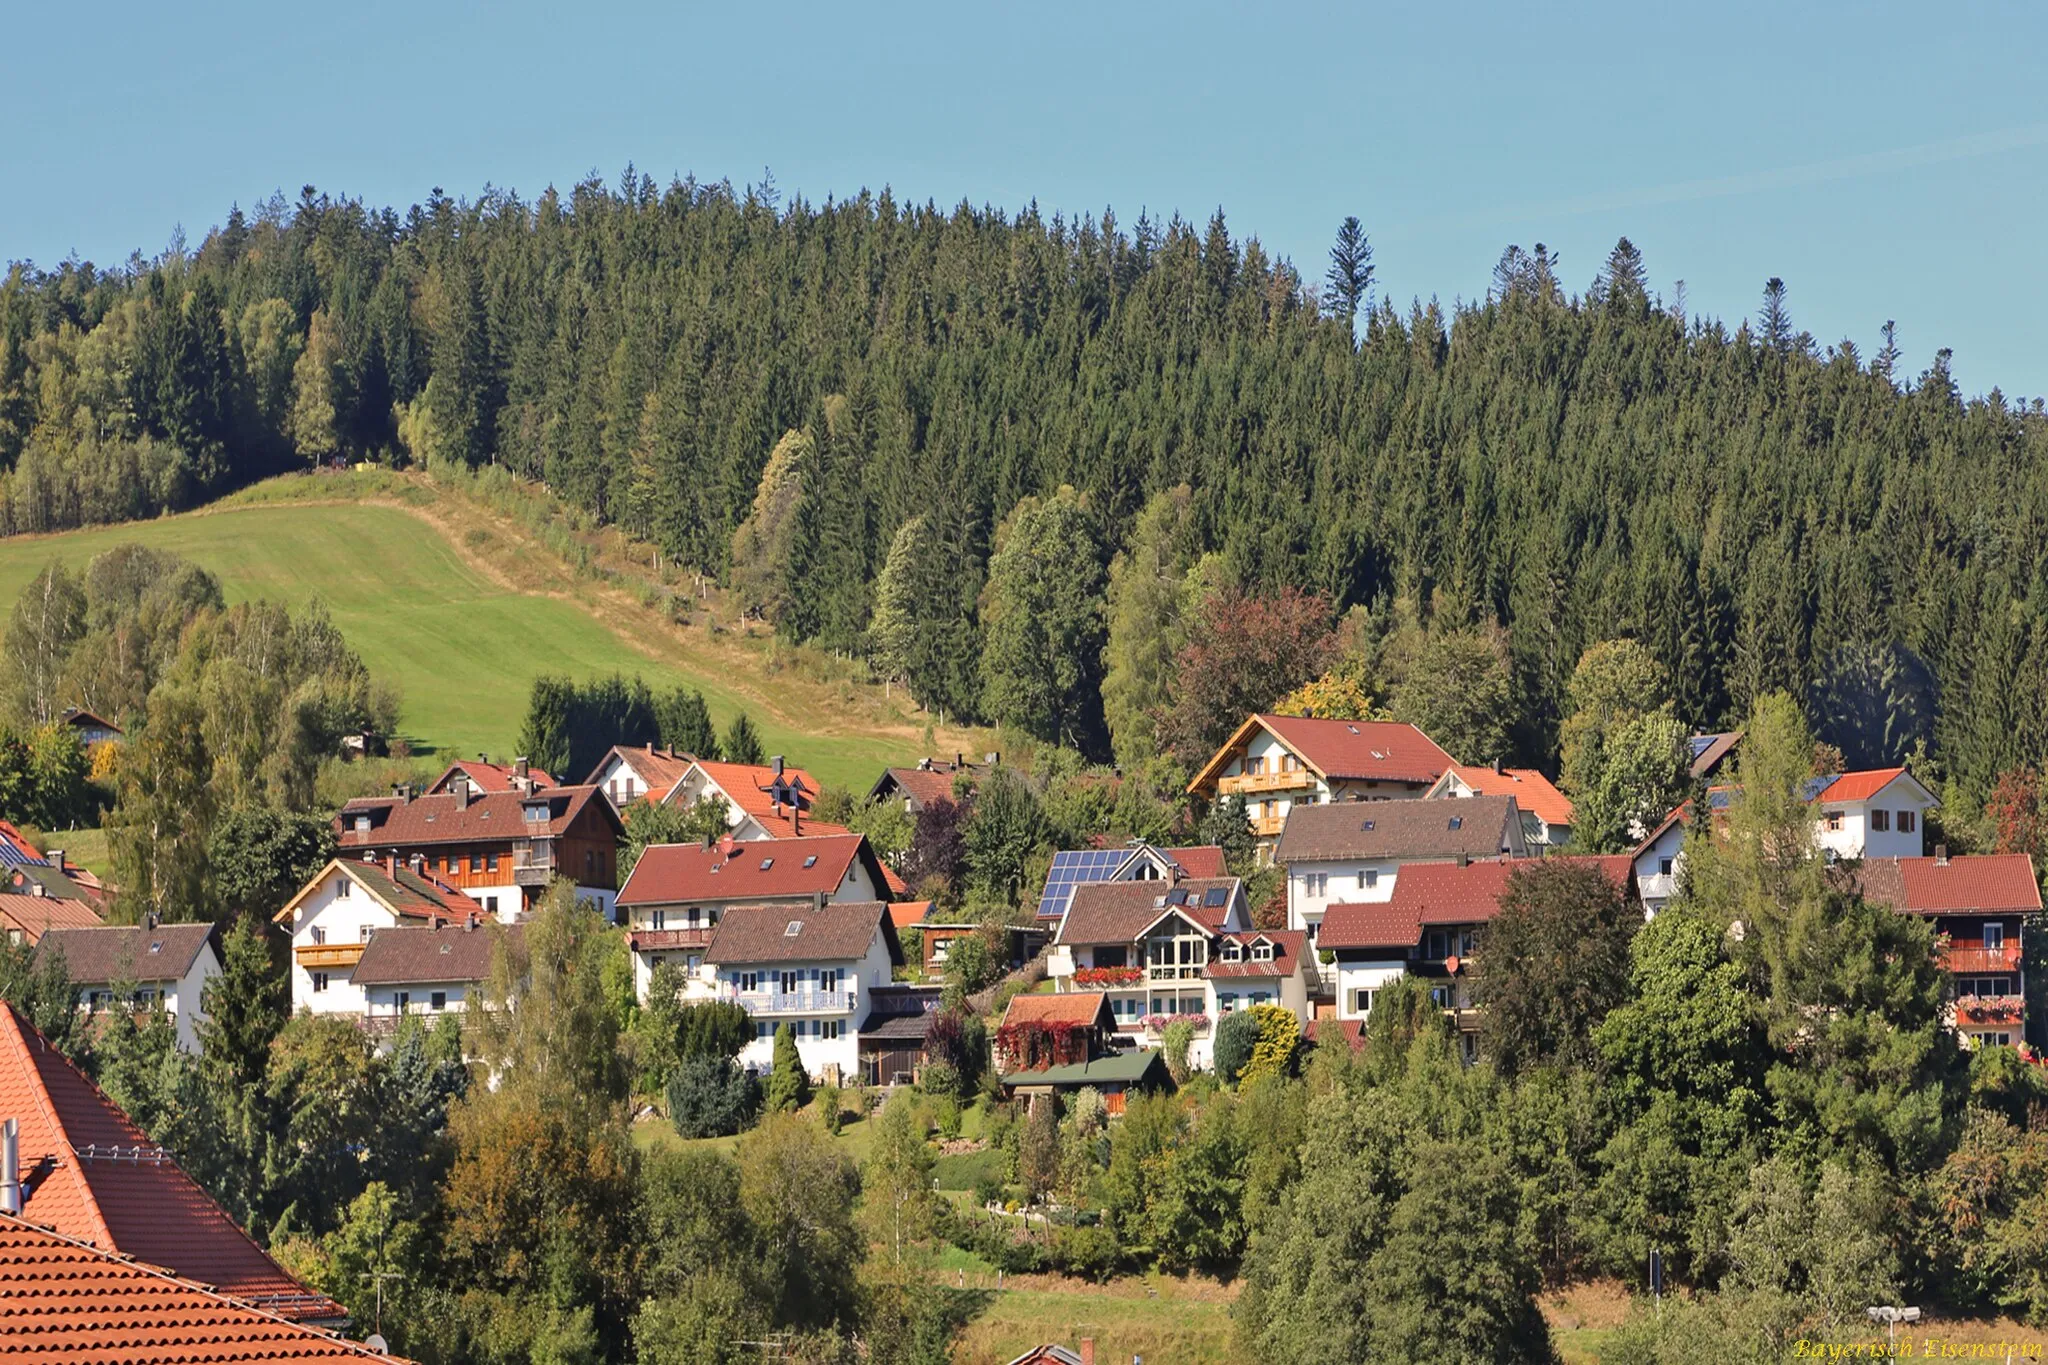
point(1761, 511)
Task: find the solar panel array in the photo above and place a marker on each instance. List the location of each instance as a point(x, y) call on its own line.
point(1701, 743)
point(1076, 867)
point(14, 855)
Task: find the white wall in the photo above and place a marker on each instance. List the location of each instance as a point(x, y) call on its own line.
point(342, 918)
point(1653, 884)
point(382, 1001)
point(1353, 977)
point(1343, 886)
point(183, 996)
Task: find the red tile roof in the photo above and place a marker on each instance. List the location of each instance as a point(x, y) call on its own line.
point(1199, 860)
point(485, 776)
point(1379, 925)
point(1445, 893)
point(771, 869)
point(1859, 786)
point(1984, 884)
point(903, 914)
point(746, 786)
point(1078, 1008)
point(36, 915)
point(1288, 947)
point(63, 1300)
point(658, 769)
point(90, 1173)
point(492, 818)
point(1372, 750)
point(1533, 792)
point(1352, 1029)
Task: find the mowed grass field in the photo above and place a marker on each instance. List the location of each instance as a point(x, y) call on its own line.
point(462, 647)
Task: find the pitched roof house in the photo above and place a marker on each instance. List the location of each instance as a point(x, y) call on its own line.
point(499, 848)
point(167, 964)
point(763, 801)
point(807, 965)
point(933, 779)
point(89, 728)
point(64, 1299)
point(1980, 907)
point(335, 915)
point(1280, 762)
point(1133, 862)
point(428, 970)
point(1358, 850)
point(90, 1173)
point(1546, 811)
point(486, 776)
point(25, 919)
point(631, 772)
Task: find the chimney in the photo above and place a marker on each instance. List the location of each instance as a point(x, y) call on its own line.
point(796, 817)
point(10, 1168)
point(520, 766)
point(460, 787)
point(55, 857)
point(38, 889)
point(959, 760)
point(391, 865)
point(1087, 1351)
point(776, 763)
point(1496, 764)
point(403, 791)
point(469, 925)
point(1941, 855)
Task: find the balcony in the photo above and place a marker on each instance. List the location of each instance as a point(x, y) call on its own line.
point(1968, 957)
point(1990, 1009)
point(327, 957)
point(533, 867)
point(1109, 978)
point(1268, 826)
point(793, 1002)
point(1165, 972)
point(1247, 784)
point(668, 940)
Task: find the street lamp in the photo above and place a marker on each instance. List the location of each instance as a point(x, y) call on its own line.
point(1891, 1318)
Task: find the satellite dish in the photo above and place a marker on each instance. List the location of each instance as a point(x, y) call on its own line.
point(1451, 964)
point(375, 1341)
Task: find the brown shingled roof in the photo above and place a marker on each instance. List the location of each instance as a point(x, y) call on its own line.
point(1117, 912)
point(1475, 827)
point(426, 955)
point(127, 952)
point(766, 869)
point(494, 817)
point(798, 932)
point(35, 916)
point(1079, 1008)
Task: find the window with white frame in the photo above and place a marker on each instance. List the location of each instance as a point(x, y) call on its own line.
point(749, 982)
point(1226, 1001)
point(829, 1029)
point(1362, 1000)
point(344, 888)
point(1316, 883)
point(790, 982)
point(1262, 952)
point(1231, 951)
point(828, 979)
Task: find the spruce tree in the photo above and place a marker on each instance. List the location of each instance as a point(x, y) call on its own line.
point(789, 1085)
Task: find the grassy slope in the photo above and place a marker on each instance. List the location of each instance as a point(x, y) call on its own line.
point(462, 609)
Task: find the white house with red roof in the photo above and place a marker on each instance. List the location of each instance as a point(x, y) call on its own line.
point(762, 801)
point(636, 772)
point(1279, 762)
point(677, 894)
point(1980, 907)
point(333, 917)
point(1546, 811)
point(485, 776)
point(1356, 851)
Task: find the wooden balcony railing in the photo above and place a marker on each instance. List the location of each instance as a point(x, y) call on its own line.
point(324, 957)
point(1246, 784)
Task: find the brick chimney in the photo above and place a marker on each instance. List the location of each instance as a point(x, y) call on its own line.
point(520, 766)
point(1087, 1351)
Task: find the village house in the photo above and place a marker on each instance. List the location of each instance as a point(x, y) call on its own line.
point(806, 965)
point(501, 849)
point(1147, 947)
point(636, 772)
point(138, 967)
point(936, 937)
point(1354, 851)
point(1546, 811)
point(24, 919)
point(891, 1043)
point(1980, 906)
point(771, 801)
point(676, 895)
point(426, 970)
point(90, 1174)
point(91, 729)
point(933, 779)
point(1278, 763)
point(1431, 928)
point(1136, 861)
point(1050, 1046)
point(335, 915)
point(485, 776)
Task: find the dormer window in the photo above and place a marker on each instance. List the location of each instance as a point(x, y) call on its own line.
point(1231, 951)
point(1262, 952)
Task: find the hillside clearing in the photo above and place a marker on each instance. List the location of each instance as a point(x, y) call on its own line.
point(462, 608)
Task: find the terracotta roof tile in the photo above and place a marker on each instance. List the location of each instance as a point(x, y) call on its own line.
point(1117, 912)
point(35, 915)
point(1079, 1008)
point(1858, 786)
point(658, 769)
point(1985, 884)
point(62, 1300)
point(1445, 893)
point(777, 869)
point(115, 952)
point(90, 1173)
point(494, 817)
point(746, 785)
point(485, 776)
point(1382, 924)
point(1533, 792)
point(1199, 860)
point(1371, 750)
point(1476, 827)
point(1289, 945)
point(841, 932)
point(903, 914)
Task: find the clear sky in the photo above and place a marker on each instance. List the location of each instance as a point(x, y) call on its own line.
point(1887, 160)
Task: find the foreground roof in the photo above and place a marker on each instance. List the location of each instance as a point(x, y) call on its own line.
point(1118, 912)
point(493, 817)
point(1475, 827)
point(801, 932)
point(1446, 893)
point(35, 916)
point(729, 870)
point(1533, 792)
point(1116, 1068)
point(1983, 884)
point(1361, 750)
point(429, 955)
point(90, 1173)
point(101, 954)
point(64, 1299)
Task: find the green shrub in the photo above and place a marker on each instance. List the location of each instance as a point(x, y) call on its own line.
point(710, 1096)
point(829, 1098)
point(1236, 1036)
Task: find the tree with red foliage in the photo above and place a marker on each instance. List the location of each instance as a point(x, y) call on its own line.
point(1243, 653)
point(2017, 811)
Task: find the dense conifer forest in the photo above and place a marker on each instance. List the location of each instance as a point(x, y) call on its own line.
point(840, 408)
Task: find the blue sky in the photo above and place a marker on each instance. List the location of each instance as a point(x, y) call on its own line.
point(1889, 161)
